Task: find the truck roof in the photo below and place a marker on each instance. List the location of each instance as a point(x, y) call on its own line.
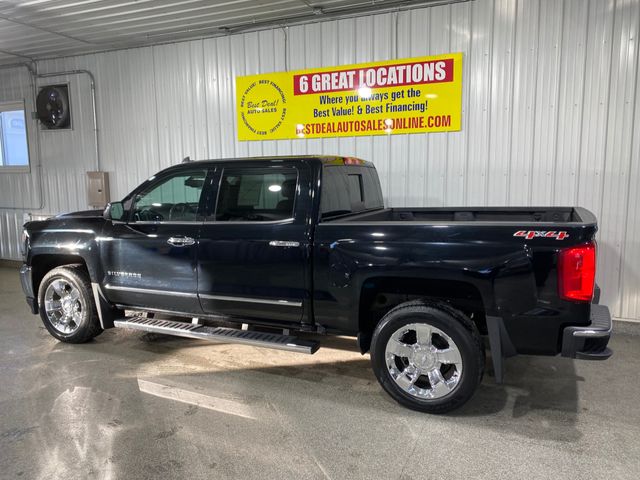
point(323, 159)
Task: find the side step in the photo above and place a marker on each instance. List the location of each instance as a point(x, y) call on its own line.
point(219, 334)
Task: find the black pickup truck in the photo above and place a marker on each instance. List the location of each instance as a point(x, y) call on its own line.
point(304, 244)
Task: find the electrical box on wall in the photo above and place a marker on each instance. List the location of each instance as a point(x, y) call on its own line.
point(98, 189)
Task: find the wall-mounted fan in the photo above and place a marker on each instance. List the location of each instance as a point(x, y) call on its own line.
point(53, 107)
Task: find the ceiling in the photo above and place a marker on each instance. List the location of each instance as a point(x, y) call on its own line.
point(36, 29)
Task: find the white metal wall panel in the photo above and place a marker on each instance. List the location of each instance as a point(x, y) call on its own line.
point(523, 125)
point(629, 293)
point(623, 82)
point(478, 122)
point(550, 107)
point(570, 102)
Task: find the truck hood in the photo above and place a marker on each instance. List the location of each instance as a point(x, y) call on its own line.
point(82, 213)
point(86, 219)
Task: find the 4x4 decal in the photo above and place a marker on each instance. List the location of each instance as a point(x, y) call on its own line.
point(531, 234)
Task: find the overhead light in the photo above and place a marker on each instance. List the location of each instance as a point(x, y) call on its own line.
point(275, 188)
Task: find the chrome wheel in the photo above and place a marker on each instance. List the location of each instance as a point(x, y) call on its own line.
point(63, 306)
point(424, 361)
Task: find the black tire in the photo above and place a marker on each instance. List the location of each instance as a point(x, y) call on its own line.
point(454, 324)
point(88, 326)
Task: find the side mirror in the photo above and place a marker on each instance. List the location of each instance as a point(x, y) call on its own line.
point(114, 211)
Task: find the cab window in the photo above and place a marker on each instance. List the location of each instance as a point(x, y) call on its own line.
point(349, 189)
point(256, 195)
point(172, 199)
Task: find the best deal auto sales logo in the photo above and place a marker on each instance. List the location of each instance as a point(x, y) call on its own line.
point(263, 107)
point(531, 234)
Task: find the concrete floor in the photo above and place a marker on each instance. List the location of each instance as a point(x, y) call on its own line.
point(135, 405)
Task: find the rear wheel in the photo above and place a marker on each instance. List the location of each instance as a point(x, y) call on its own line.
point(427, 356)
point(66, 304)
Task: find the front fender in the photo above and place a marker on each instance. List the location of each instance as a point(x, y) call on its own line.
point(64, 240)
point(68, 243)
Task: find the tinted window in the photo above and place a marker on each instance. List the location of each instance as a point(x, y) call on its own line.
point(349, 189)
point(335, 198)
point(256, 195)
point(372, 189)
point(172, 199)
point(355, 188)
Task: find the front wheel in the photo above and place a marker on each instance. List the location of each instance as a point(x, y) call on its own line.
point(67, 308)
point(427, 356)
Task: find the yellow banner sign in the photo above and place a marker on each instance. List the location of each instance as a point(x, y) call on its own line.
point(411, 95)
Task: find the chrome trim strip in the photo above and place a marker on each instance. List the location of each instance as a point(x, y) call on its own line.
point(284, 303)
point(165, 222)
point(592, 333)
point(150, 291)
point(256, 222)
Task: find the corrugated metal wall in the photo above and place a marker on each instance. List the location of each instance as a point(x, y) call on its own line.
point(550, 108)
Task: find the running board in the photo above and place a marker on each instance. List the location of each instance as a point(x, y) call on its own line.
point(219, 334)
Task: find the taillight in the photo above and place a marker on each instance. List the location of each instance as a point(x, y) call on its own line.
point(577, 272)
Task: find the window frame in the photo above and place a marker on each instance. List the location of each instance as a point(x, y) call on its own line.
point(347, 170)
point(360, 185)
point(10, 106)
point(199, 218)
point(212, 214)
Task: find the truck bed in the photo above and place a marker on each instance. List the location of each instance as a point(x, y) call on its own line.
point(519, 215)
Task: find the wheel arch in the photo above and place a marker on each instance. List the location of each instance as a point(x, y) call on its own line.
point(43, 263)
point(379, 294)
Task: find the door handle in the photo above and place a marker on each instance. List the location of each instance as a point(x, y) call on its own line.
point(281, 243)
point(181, 241)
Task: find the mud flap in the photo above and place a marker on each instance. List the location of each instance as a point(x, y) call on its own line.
point(106, 312)
point(500, 345)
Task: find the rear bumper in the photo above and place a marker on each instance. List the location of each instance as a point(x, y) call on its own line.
point(590, 342)
point(27, 287)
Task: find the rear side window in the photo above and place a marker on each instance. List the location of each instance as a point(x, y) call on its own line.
point(349, 189)
point(256, 195)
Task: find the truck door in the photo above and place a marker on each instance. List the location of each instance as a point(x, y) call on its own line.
point(253, 254)
point(150, 260)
